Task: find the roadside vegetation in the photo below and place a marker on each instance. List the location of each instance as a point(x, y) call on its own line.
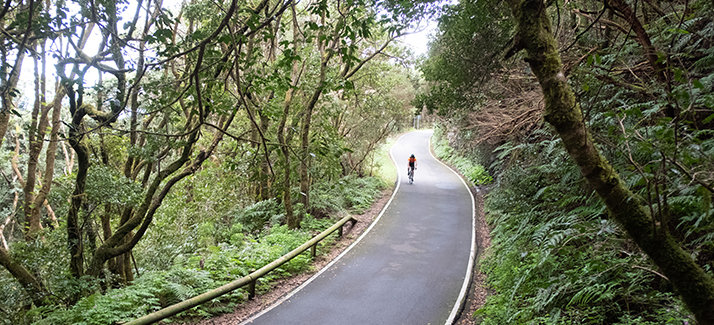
point(644, 81)
point(474, 173)
point(193, 254)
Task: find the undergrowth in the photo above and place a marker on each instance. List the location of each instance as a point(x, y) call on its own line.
point(193, 274)
point(385, 168)
point(217, 251)
point(474, 172)
point(555, 256)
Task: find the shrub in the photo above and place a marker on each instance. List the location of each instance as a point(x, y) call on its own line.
point(255, 217)
point(350, 193)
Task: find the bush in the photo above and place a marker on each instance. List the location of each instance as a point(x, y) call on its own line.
point(195, 273)
point(255, 217)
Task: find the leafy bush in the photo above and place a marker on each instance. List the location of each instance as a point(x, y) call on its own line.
point(193, 274)
point(556, 258)
point(204, 241)
point(196, 272)
point(255, 217)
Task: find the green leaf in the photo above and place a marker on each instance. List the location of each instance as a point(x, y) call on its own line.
point(709, 119)
point(678, 31)
point(661, 57)
point(678, 75)
point(697, 84)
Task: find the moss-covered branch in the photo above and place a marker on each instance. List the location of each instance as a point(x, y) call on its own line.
point(31, 285)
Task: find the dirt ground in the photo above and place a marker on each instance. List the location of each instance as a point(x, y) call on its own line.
point(477, 289)
point(477, 294)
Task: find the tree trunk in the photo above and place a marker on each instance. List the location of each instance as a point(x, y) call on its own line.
point(327, 51)
point(46, 185)
point(293, 221)
point(36, 137)
point(31, 285)
point(534, 34)
point(74, 231)
point(265, 163)
point(105, 219)
point(6, 90)
point(142, 216)
point(4, 121)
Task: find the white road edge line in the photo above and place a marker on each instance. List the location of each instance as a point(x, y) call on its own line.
point(472, 257)
point(288, 296)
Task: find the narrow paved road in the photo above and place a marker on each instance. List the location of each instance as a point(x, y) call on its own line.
point(409, 268)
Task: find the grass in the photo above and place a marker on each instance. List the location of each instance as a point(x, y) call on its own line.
point(384, 166)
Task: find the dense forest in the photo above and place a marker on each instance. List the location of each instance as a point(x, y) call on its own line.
point(595, 120)
point(152, 151)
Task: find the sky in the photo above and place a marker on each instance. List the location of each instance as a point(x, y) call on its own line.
point(418, 41)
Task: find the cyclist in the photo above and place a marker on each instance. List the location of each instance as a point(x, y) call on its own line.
point(411, 167)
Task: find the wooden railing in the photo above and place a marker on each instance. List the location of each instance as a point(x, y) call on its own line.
point(249, 280)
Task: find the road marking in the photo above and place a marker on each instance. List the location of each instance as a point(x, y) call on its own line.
point(461, 300)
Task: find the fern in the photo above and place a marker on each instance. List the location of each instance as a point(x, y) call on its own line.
point(592, 293)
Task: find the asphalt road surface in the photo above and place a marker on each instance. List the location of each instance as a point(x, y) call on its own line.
point(409, 268)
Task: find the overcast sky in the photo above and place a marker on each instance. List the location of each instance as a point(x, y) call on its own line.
point(418, 41)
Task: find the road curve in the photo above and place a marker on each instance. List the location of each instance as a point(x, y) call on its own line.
point(409, 267)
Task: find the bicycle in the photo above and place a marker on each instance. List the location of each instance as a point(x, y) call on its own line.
point(410, 174)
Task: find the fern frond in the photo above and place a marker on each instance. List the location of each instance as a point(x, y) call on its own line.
point(591, 294)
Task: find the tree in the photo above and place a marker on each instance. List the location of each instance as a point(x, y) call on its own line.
point(535, 35)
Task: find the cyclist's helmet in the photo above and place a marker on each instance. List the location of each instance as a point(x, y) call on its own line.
point(412, 156)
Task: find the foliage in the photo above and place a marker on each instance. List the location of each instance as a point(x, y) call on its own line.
point(474, 172)
point(469, 32)
point(556, 256)
point(213, 253)
point(384, 167)
point(192, 274)
point(255, 217)
point(349, 194)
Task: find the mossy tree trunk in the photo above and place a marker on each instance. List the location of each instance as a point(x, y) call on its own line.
point(30, 283)
point(76, 134)
point(283, 140)
point(534, 34)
